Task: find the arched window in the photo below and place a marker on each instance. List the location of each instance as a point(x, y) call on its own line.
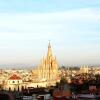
point(13, 81)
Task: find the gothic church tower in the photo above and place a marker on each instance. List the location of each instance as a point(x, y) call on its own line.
point(48, 69)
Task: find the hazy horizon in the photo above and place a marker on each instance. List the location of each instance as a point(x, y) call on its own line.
point(73, 27)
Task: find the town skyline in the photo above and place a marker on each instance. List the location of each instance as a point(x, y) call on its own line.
point(71, 26)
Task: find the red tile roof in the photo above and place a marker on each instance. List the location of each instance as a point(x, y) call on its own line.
point(15, 77)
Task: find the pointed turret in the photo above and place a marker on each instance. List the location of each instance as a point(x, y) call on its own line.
point(49, 53)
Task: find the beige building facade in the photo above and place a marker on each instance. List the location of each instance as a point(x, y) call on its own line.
point(48, 69)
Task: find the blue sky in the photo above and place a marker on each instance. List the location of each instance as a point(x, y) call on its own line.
point(73, 26)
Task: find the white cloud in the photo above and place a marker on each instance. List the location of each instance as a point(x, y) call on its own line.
point(31, 20)
point(28, 30)
point(47, 24)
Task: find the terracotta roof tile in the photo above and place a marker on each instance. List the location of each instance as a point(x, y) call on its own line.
point(15, 77)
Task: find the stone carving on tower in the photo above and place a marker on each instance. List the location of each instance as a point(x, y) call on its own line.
point(48, 69)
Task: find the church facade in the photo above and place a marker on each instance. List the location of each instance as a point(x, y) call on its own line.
point(48, 69)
